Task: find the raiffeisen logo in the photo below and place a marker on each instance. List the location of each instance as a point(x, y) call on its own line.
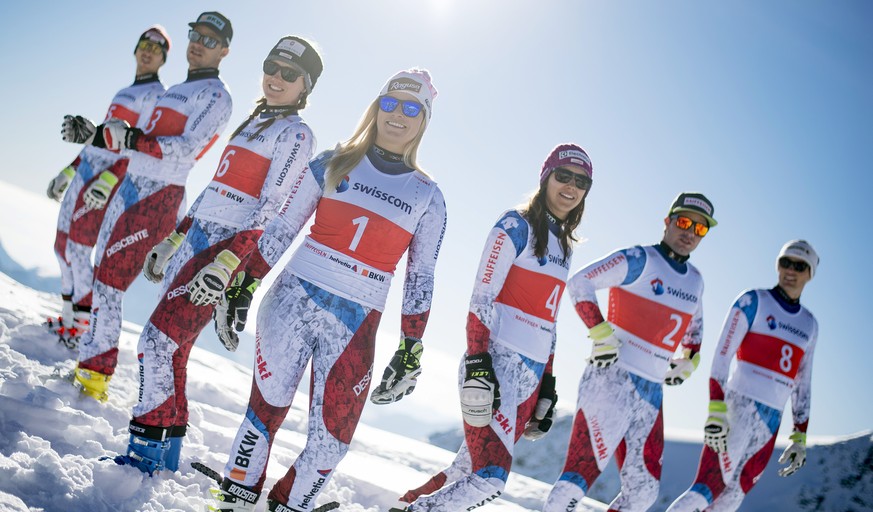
point(657, 286)
point(343, 185)
point(771, 322)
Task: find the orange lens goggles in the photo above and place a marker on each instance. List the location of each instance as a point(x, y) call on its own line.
point(684, 223)
point(150, 47)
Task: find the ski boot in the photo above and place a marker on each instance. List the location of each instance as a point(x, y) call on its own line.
point(177, 435)
point(232, 497)
point(147, 448)
point(91, 383)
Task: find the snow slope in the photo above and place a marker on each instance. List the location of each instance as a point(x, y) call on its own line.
point(51, 438)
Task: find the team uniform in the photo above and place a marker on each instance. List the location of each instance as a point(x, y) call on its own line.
point(655, 305)
point(257, 172)
point(512, 317)
point(78, 225)
point(149, 202)
point(773, 341)
point(326, 305)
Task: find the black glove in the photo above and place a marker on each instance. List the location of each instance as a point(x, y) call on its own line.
point(539, 425)
point(233, 309)
point(401, 374)
point(480, 394)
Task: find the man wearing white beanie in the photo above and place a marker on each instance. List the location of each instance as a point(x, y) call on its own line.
point(773, 337)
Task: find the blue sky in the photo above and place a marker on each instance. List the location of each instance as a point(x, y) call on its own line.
point(763, 106)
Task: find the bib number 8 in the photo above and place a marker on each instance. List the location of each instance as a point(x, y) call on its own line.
point(785, 360)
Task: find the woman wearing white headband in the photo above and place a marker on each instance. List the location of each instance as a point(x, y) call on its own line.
point(372, 203)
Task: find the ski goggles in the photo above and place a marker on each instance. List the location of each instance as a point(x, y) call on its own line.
point(288, 74)
point(684, 223)
point(581, 181)
point(150, 47)
point(410, 108)
point(799, 266)
point(209, 42)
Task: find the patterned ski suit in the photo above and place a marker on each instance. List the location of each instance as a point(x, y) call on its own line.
point(773, 340)
point(149, 202)
point(326, 306)
point(78, 225)
point(252, 182)
point(512, 317)
point(655, 305)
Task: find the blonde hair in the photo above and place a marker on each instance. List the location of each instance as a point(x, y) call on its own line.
point(350, 153)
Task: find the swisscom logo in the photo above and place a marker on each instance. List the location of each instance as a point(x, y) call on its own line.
point(771, 322)
point(658, 286)
point(344, 185)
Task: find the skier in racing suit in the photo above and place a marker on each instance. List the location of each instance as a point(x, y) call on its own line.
point(773, 337)
point(90, 183)
point(185, 123)
point(371, 203)
point(655, 308)
point(506, 383)
point(256, 173)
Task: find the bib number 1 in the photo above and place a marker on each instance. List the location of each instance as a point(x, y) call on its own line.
point(361, 223)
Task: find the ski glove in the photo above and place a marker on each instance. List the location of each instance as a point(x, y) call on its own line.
point(232, 310)
point(115, 133)
point(97, 194)
point(539, 425)
point(480, 393)
point(59, 183)
point(401, 374)
point(157, 259)
point(794, 455)
point(78, 130)
point(715, 432)
point(681, 368)
point(209, 284)
point(604, 351)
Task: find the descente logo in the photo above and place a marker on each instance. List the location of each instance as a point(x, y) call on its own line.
point(127, 241)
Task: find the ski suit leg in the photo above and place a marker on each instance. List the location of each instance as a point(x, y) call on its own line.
point(139, 216)
point(639, 454)
point(62, 234)
point(343, 335)
point(605, 409)
point(490, 448)
point(175, 322)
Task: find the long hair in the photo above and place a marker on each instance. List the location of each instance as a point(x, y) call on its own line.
point(351, 152)
point(535, 213)
point(260, 106)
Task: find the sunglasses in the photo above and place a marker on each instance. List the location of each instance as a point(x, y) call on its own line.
point(410, 108)
point(799, 266)
point(149, 47)
point(562, 175)
point(290, 75)
point(684, 223)
point(209, 42)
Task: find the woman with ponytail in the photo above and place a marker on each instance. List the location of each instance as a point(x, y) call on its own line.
point(372, 203)
point(259, 169)
point(506, 383)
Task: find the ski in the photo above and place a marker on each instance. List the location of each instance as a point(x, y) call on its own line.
point(216, 476)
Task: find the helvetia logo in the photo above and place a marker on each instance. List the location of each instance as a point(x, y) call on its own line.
point(657, 286)
point(771, 322)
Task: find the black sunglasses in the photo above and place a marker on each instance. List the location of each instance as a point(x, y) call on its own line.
point(209, 42)
point(582, 181)
point(799, 266)
point(290, 75)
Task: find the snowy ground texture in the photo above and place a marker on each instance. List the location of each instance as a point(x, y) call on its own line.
point(51, 438)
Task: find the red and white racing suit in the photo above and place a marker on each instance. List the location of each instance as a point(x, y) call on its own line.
point(773, 340)
point(326, 306)
point(655, 306)
point(256, 174)
point(512, 317)
point(149, 202)
point(78, 224)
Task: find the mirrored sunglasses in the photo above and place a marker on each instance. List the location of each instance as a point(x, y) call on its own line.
point(209, 42)
point(581, 181)
point(150, 47)
point(410, 108)
point(684, 223)
point(799, 266)
point(288, 74)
